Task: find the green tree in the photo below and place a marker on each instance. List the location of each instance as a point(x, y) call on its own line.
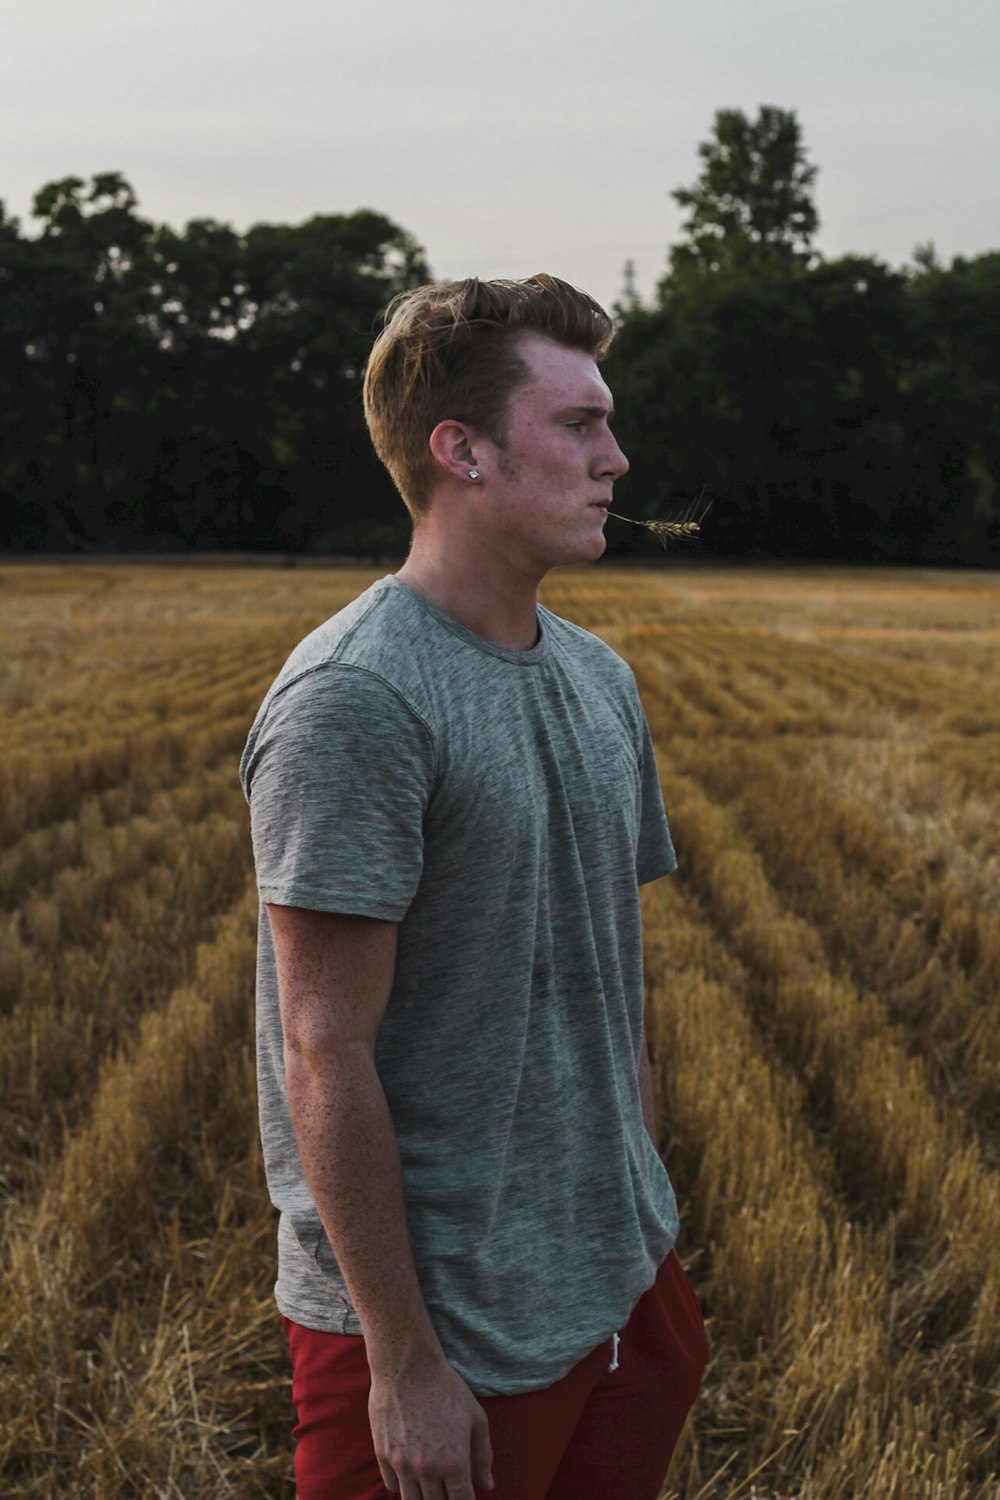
point(788, 395)
point(76, 346)
point(263, 336)
point(753, 200)
point(195, 389)
point(830, 409)
point(956, 382)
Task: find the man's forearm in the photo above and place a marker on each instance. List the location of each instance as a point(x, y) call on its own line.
point(351, 1160)
point(427, 1428)
point(335, 975)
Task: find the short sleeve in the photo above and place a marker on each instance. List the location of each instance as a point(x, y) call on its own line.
point(655, 853)
point(338, 771)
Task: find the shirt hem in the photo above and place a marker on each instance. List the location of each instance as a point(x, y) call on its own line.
point(348, 905)
point(478, 1382)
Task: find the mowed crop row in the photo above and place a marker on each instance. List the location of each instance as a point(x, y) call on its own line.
point(822, 980)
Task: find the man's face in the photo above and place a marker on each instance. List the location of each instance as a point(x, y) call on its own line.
point(547, 490)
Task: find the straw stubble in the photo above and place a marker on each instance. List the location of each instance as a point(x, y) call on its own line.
point(821, 1007)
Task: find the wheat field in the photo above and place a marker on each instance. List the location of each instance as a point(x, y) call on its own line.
point(822, 980)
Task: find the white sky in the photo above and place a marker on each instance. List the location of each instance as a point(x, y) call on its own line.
point(529, 135)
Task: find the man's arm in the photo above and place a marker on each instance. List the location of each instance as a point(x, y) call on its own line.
point(334, 978)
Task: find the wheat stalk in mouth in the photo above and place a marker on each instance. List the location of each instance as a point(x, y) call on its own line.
point(677, 529)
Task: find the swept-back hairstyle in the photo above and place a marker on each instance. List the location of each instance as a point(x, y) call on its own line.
point(450, 351)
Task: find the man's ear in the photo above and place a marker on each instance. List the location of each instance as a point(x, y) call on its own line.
point(452, 446)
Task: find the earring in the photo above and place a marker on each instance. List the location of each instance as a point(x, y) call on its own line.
point(473, 473)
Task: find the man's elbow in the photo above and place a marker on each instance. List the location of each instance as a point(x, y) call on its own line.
point(324, 1063)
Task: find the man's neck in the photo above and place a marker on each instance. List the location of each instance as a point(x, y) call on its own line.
point(497, 602)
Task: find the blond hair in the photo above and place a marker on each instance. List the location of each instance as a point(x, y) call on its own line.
point(450, 351)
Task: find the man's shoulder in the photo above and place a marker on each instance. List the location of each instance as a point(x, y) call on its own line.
point(347, 665)
point(354, 634)
point(379, 634)
point(345, 683)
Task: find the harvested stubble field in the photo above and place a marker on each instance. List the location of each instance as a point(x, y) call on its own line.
point(822, 985)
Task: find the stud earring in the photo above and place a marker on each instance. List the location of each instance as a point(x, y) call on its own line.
point(473, 473)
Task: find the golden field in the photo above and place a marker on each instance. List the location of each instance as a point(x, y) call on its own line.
point(823, 980)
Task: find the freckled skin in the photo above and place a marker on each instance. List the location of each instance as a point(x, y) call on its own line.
point(478, 554)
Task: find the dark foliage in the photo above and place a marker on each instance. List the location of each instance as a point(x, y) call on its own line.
point(191, 391)
point(838, 409)
point(200, 390)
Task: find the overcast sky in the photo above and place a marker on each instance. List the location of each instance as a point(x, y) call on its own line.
point(527, 135)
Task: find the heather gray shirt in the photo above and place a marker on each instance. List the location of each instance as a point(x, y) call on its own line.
point(503, 807)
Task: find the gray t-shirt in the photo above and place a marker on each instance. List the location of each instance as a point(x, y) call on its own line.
point(503, 807)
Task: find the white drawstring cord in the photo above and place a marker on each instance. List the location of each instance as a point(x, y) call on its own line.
point(614, 1353)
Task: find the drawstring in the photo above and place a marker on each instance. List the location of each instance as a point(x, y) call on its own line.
point(614, 1353)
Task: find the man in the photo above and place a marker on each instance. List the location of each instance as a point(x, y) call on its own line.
point(454, 800)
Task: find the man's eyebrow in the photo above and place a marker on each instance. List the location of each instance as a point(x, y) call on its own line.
point(593, 411)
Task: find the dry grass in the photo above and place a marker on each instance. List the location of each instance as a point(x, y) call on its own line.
point(822, 985)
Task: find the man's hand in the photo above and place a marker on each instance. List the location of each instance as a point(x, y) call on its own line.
point(431, 1435)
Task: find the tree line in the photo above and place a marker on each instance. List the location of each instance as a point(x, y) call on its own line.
point(200, 390)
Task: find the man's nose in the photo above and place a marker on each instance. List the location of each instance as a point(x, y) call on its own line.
point(615, 464)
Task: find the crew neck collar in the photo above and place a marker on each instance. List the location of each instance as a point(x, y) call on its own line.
point(528, 658)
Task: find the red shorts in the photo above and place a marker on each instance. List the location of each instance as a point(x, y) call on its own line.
point(597, 1434)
